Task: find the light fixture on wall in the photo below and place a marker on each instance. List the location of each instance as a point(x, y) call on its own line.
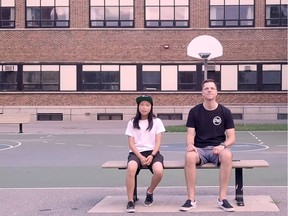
point(166, 46)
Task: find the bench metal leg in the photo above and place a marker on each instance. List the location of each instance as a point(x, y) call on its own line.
point(20, 128)
point(239, 186)
point(135, 198)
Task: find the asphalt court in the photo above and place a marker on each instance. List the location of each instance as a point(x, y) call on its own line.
point(58, 156)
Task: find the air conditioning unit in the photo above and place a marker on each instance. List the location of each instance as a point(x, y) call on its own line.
point(9, 67)
point(247, 68)
point(210, 67)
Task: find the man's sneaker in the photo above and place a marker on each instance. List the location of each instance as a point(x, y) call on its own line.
point(225, 205)
point(130, 207)
point(149, 199)
point(188, 205)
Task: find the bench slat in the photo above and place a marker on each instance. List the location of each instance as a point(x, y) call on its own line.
point(169, 164)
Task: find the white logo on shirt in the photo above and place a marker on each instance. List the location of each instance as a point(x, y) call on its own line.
point(217, 120)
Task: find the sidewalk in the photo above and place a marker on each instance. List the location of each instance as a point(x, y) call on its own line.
point(84, 201)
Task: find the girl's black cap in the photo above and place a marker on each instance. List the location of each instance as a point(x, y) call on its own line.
point(144, 98)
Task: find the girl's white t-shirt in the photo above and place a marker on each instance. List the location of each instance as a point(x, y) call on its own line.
point(145, 139)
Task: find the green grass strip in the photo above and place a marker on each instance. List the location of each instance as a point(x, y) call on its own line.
point(238, 127)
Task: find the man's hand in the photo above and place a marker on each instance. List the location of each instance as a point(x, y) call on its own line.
point(218, 149)
point(191, 148)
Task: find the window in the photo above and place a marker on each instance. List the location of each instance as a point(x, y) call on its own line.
point(247, 78)
point(236, 13)
point(238, 116)
point(112, 13)
point(109, 116)
point(49, 116)
point(149, 78)
point(47, 14)
point(7, 14)
point(215, 75)
point(166, 14)
point(267, 78)
point(170, 116)
point(276, 12)
point(101, 78)
point(281, 116)
point(187, 78)
point(8, 78)
point(41, 78)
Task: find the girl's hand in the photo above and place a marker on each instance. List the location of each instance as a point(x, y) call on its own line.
point(143, 160)
point(148, 160)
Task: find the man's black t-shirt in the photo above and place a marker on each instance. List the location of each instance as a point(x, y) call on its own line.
point(210, 125)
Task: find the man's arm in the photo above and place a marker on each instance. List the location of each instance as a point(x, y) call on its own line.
point(190, 139)
point(230, 137)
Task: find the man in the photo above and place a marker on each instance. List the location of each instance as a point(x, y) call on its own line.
point(210, 134)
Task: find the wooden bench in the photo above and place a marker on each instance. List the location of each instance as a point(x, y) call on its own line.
point(238, 165)
point(15, 119)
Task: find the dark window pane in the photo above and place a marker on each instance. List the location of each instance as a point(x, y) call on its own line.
point(50, 77)
point(151, 77)
point(152, 23)
point(273, 11)
point(246, 12)
point(167, 23)
point(231, 23)
point(271, 77)
point(91, 77)
point(284, 11)
point(247, 77)
point(101, 80)
point(217, 12)
point(187, 80)
point(231, 12)
point(247, 80)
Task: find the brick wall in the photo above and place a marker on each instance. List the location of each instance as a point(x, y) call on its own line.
point(137, 45)
point(128, 99)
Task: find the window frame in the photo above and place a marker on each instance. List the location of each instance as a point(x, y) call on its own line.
point(40, 85)
point(237, 20)
point(41, 22)
point(107, 23)
point(11, 22)
point(280, 20)
point(6, 85)
point(162, 23)
point(101, 71)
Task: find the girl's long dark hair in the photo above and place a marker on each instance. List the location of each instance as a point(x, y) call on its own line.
point(137, 118)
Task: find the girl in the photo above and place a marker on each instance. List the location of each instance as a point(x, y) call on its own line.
point(144, 139)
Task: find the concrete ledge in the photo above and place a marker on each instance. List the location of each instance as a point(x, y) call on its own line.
point(117, 204)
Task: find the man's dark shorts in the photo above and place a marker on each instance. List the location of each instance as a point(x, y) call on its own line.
point(157, 158)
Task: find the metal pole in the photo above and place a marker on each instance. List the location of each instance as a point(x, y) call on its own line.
point(205, 68)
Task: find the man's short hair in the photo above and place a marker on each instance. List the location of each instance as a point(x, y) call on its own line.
point(208, 80)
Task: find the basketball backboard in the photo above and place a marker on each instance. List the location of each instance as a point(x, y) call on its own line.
point(205, 47)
